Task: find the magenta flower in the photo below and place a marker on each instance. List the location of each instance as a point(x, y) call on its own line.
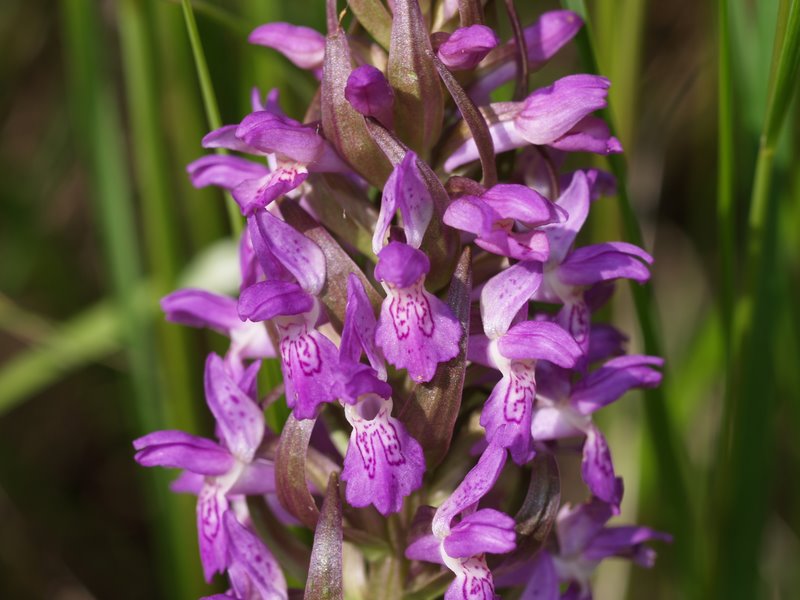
point(416, 330)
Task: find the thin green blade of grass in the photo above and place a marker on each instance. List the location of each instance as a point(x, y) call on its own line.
point(160, 223)
point(100, 131)
point(751, 404)
point(209, 100)
point(678, 513)
point(185, 126)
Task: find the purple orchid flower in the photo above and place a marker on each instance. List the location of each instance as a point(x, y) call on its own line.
point(383, 463)
point(309, 360)
point(494, 215)
point(462, 547)
point(514, 351)
point(584, 541)
point(293, 150)
point(563, 409)
point(230, 468)
point(558, 116)
point(568, 273)
point(416, 330)
point(467, 46)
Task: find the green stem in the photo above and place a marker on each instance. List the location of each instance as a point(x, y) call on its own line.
point(209, 101)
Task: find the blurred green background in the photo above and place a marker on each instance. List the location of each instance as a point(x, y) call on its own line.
point(100, 110)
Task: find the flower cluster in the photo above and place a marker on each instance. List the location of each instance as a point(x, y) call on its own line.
point(403, 296)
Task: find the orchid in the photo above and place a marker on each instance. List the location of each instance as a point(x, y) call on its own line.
point(417, 318)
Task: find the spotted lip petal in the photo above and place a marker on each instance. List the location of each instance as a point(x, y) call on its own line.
point(383, 464)
point(211, 506)
point(506, 416)
point(310, 365)
point(416, 331)
point(598, 470)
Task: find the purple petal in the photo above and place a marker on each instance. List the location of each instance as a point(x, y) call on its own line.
point(370, 93)
point(310, 365)
point(300, 255)
point(270, 265)
point(505, 294)
point(485, 531)
point(505, 136)
point(425, 548)
point(304, 46)
point(575, 318)
point(256, 568)
point(225, 137)
point(359, 327)
point(211, 505)
point(416, 330)
point(576, 526)
point(199, 308)
point(543, 582)
point(401, 265)
point(267, 299)
point(271, 103)
point(480, 479)
point(613, 379)
point(603, 262)
point(359, 379)
point(257, 478)
point(590, 134)
point(179, 450)
point(253, 194)
point(521, 203)
point(549, 113)
point(598, 470)
point(224, 171)
point(506, 416)
point(627, 542)
point(383, 464)
point(605, 341)
point(467, 46)
point(575, 201)
point(405, 190)
point(540, 340)
point(285, 137)
point(239, 419)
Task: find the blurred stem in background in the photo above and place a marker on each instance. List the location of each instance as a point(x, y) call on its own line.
point(747, 449)
point(96, 115)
